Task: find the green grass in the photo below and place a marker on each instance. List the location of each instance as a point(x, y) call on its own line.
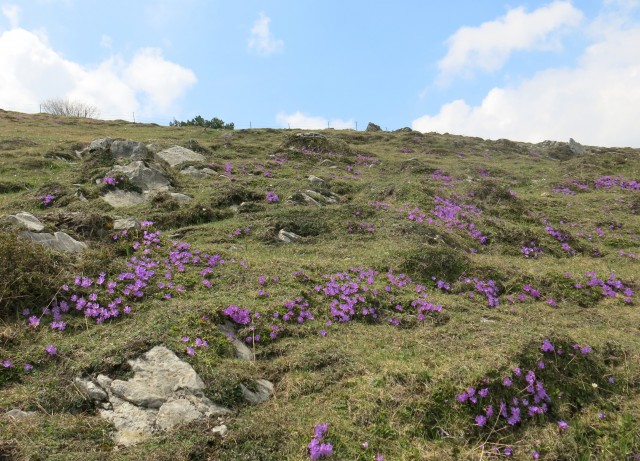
point(393, 387)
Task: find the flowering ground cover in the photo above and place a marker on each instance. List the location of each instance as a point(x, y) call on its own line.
point(463, 299)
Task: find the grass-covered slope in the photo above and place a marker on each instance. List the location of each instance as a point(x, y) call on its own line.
point(464, 298)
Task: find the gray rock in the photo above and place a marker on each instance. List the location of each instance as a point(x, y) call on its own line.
point(174, 412)
point(220, 430)
point(133, 424)
point(26, 220)
point(315, 181)
point(148, 178)
point(163, 393)
point(18, 415)
point(100, 144)
point(57, 241)
point(243, 352)
point(199, 173)
point(288, 237)
point(264, 390)
point(576, 147)
point(310, 134)
point(128, 149)
point(121, 199)
point(177, 155)
point(373, 127)
point(325, 197)
point(90, 389)
point(181, 198)
point(300, 198)
point(125, 223)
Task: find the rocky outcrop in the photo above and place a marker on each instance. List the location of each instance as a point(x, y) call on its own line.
point(163, 393)
point(123, 199)
point(148, 178)
point(373, 127)
point(128, 149)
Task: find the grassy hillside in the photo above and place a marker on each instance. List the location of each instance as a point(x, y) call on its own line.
point(453, 275)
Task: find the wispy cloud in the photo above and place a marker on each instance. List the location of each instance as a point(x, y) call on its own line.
point(487, 47)
point(310, 122)
point(262, 40)
point(12, 13)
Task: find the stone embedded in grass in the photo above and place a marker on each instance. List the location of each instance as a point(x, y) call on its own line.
point(288, 237)
point(163, 393)
point(26, 220)
point(123, 199)
point(58, 241)
point(133, 150)
point(263, 390)
point(177, 155)
point(147, 177)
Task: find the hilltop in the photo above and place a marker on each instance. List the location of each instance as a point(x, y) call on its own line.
point(428, 296)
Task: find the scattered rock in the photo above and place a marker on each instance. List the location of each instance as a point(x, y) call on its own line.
point(125, 223)
point(181, 198)
point(57, 241)
point(18, 415)
point(404, 129)
point(90, 390)
point(310, 134)
point(100, 144)
point(177, 155)
point(26, 220)
point(288, 237)
point(576, 147)
point(322, 197)
point(373, 127)
point(199, 173)
point(163, 393)
point(242, 350)
point(264, 390)
point(300, 198)
point(121, 199)
point(220, 430)
point(315, 181)
point(148, 178)
point(128, 149)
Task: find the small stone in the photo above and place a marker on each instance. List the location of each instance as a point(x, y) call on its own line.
point(125, 223)
point(27, 220)
point(18, 415)
point(220, 430)
point(264, 390)
point(90, 389)
point(288, 237)
point(58, 241)
point(315, 181)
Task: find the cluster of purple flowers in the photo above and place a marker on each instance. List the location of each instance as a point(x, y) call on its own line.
point(609, 287)
point(446, 180)
point(272, 197)
point(487, 288)
point(239, 232)
point(318, 449)
point(360, 228)
point(198, 342)
point(48, 199)
point(532, 251)
point(608, 182)
point(110, 181)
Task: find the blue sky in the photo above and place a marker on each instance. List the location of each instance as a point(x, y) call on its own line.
point(527, 70)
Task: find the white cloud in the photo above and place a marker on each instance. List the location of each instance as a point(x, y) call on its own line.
point(309, 122)
point(597, 102)
point(262, 40)
point(12, 13)
point(32, 72)
point(488, 46)
point(106, 42)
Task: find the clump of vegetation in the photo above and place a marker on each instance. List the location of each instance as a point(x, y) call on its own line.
point(67, 108)
point(215, 123)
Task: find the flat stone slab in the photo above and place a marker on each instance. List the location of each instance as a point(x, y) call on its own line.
point(57, 241)
point(26, 220)
point(121, 199)
point(177, 155)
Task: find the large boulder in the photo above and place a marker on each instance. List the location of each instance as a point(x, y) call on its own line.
point(373, 127)
point(177, 156)
point(133, 150)
point(147, 178)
